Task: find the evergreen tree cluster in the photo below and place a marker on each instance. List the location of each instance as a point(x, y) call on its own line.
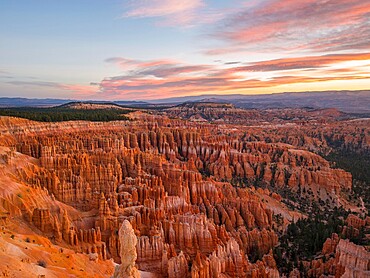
point(60, 114)
point(358, 165)
point(305, 237)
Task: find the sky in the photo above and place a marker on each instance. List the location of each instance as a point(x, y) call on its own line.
point(152, 49)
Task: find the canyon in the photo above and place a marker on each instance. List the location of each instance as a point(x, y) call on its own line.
point(201, 190)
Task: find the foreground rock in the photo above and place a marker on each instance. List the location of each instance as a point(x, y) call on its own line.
point(128, 254)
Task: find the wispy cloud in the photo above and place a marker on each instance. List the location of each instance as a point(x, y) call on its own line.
point(74, 90)
point(156, 68)
point(179, 13)
point(35, 83)
point(5, 74)
point(327, 25)
point(156, 8)
point(303, 62)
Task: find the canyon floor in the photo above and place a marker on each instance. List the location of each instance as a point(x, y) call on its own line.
point(209, 190)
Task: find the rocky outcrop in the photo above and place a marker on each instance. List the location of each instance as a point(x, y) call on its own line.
point(352, 260)
point(342, 259)
point(330, 245)
point(128, 255)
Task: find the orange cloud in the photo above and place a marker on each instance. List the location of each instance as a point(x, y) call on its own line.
point(166, 78)
point(81, 91)
point(163, 79)
point(303, 62)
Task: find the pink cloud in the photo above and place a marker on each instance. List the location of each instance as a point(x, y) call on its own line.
point(148, 88)
point(120, 61)
point(303, 62)
point(81, 91)
point(156, 68)
point(296, 25)
point(155, 8)
point(124, 62)
point(179, 11)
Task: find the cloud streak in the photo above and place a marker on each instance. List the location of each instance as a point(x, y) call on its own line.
point(303, 62)
point(169, 12)
point(156, 68)
point(75, 90)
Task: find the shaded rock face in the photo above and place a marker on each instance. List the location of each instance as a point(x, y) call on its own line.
point(352, 260)
point(170, 181)
point(127, 252)
point(344, 259)
point(330, 245)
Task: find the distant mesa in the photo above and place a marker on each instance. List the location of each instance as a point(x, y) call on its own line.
point(48, 102)
point(92, 105)
point(206, 104)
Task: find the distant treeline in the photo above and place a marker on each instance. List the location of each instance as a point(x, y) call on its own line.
point(60, 114)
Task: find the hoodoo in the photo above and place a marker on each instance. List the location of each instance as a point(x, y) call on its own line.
point(128, 241)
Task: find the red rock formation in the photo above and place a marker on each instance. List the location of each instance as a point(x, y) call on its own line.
point(352, 260)
point(344, 259)
point(330, 245)
point(184, 187)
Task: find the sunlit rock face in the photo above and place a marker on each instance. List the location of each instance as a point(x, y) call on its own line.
point(346, 259)
point(182, 193)
point(128, 241)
